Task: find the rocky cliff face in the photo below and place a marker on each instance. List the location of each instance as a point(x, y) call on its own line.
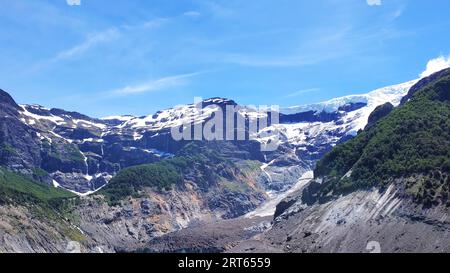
point(361, 222)
point(234, 191)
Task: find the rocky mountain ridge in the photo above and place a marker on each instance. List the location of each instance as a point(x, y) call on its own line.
point(71, 151)
point(82, 154)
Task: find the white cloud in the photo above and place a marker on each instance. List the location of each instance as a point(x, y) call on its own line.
point(217, 9)
point(397, 13)
point(374, 2)
point(192, 13)
point(104, 37)
point(96, 39)
point(436, 65)
point(277, 61)
point(90, 42)
point(311, 51)
point(301, 92)
point(154, 23)
point(73, 2)
point(153, 85)
point(264, 61)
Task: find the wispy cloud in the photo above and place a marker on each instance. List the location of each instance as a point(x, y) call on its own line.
point(277, 61)
point(374, 2)
point(152, 85)
point(310, 52)
point(435, 65)
point(91, 41)
point(73, 2)
point(301, 92)
point(192, 13)
point(105, 36)
point(315, 49)
point(156, 22)
point(266, 61)
point(397, 13)
point(96, 39)
point(217, 9)
point(78, 50)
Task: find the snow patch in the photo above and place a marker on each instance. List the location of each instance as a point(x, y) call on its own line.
point(268, 208)
point(31, 116)
point(56, 184)
point(119, 118)
point(392, 93)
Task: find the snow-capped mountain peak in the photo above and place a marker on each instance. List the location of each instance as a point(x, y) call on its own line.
point(315, 128)
point(93, 150)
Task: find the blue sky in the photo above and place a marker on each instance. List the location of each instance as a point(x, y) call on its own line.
point(138, 56)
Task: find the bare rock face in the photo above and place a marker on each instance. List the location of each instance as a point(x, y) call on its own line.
point(18, 146)
point(137, 220)
point(361, 222)
point(21, 231)
point(7, 101)
point(379, 113)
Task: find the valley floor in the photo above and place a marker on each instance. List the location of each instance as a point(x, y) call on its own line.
point(214, 236)
point(362, 222)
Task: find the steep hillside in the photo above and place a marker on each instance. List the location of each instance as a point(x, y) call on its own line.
point(385, 190)
point(223, 187)
point(413, 140)
point(33, 216)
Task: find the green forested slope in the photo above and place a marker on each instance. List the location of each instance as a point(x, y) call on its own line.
point(413, 140)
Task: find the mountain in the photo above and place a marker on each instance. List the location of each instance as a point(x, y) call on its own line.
point(388, 187)
point(82, 154)
point(412, 140)
point(134, 182)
